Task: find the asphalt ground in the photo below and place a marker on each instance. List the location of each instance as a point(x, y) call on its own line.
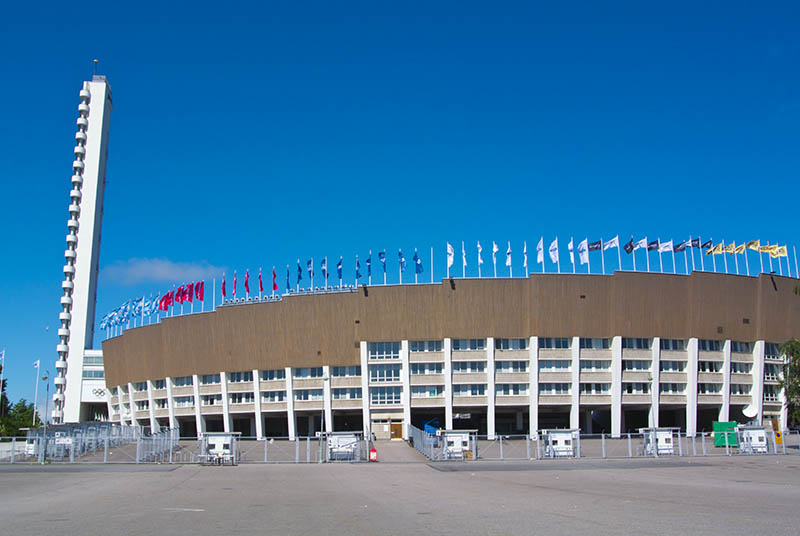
point(720, 495)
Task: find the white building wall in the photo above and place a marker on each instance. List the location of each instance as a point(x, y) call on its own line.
point(327, 398)
point(405, 372)
point(616, 386)
point(724, 410)
point(290, 404)
point(365, 415)
point(448, 383)
point(574, 411)
point(257, 404)
point(533, 386)
point(171, 404)
point(655, 385)
point(692, 354)
point(490, 388)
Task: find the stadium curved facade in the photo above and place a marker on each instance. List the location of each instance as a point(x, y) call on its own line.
point(504, 356)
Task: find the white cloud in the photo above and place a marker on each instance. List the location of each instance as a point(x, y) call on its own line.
point(139, 270)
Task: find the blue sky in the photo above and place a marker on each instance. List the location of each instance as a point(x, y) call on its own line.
point(255, 136)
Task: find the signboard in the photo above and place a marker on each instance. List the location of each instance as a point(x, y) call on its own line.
point(462, 416)
point(63, 439)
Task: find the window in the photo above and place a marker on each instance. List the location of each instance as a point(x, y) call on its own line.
point(142, 405)
point(740, 389)
point(209, 379)
point(740, 347)
point(384, 373)
point(305, 373)
point(241, 377)
point(553, 342)
point(771, 372)
point(182, 381)
point(673, 388)
point(385, 395)
point(511, 389)
point(308, 394)
point(511, 344)
point(469, 389)
point(635, 364)
point(636, 388)
point(161, 403)
point(635, 343)
point(241, 398)
point(469, 366)
point(554, 365)
point(273, 396)
point(346, 372)
point(469, 344)
point(511, 366)
point(741, 368)
point(271, 375)
point(707, 345)
point(426, 391)
point(709, 388)
point(673, 366)
point(771, 393)
point(595, 365)
point(595, 388)
point(673, 344)
point(184, 401)
point(383, 350)
point(211, 400)
point(93, 374)
point(113, 391)
point(92, 360)
point(350, 393)
point(140, 386)
point(160, 384)
point(709, 366)
point(772, 350)
point(554, 388)
point(123, 389)
point(594, 344)
point(426, 368)
point(425, 346)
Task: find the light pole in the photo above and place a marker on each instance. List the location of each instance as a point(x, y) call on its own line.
point(45, 379)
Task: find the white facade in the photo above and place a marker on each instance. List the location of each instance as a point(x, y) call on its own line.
point(76, 332)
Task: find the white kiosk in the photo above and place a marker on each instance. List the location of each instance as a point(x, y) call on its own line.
point(559, 443)
point(658, 441)
point(343, 447)
point(456, 444)
point(752, 439)
point(219, 448)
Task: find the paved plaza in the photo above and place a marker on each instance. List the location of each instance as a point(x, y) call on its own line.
point(736, 495)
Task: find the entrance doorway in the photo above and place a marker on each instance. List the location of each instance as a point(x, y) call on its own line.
point(397, 430)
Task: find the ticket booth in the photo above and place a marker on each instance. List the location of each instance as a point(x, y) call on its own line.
point(343, 446)
point(752, 439)
point(219, 448)
point(456, 444)
point(559, 443)
point(658, 441)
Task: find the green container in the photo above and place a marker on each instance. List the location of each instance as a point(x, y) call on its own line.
point(722, 429)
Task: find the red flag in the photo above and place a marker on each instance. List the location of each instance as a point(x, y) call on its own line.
point(234, 284)
point(223, 285)
point(274, 284)
point(247, 282)
point(179, 294)
point(199, 287)
point(188, 294)
point(260, 283)
point(163, 303)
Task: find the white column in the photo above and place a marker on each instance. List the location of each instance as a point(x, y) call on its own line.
point(153, 422)
point(120, 401)
point(757, 392)
point(490, 401)
point(655, 373)
point(170, 404)
point(227, 425)
point(724, 410)
point(616, 386)
point(365, 391)
point(199, 422)
point(108, 403)
point(290, 404)
point(533, 385)
point(405, 372)
point(691, 387)
point(448, 384)
point(575, 408)
point(132, 404)
point(257, 404)
point(326, 398)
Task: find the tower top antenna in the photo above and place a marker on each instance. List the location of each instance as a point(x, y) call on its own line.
point(95, 61)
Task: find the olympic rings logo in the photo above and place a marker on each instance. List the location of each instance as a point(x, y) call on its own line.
point(98, 392)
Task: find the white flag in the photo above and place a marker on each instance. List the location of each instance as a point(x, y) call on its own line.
point(463, 255)
point(525, 254)
point(583, 251)
point(480, 250)
point(571, 252)
point(495, 249)
point(540, 251)
point(554, 251)
point(508, 254)
point(36, 363)
point(665, 246)
point(613, 243)
point(640, 244)
point(451, 253)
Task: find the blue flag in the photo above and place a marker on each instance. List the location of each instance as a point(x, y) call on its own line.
point(299, 272)
point(310, 265)
point(382, 258)
point(418, 263)
point(402, 260)
point(287, 278)
point(358, 268)
point(339, 268)
point(323, 266)
point(368, 262)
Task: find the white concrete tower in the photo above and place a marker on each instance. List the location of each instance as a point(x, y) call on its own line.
point(76, 332)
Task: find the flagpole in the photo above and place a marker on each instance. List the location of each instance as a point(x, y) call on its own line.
point(633, 254)
point(35, 394)
point(736, 260)
point(431, 264)
point(602, 256)
point(760, 258)
point(796, 271)
point(674, 269)
point(788, 264)
point(713, 259)
point(690, 246)
point(571, 247)
point(447, 263)
point(463, 261)
point(686, 258)
point(588, 259)
point(619, 254)
point(479, 261)
point(702, 262)
point(2, 371)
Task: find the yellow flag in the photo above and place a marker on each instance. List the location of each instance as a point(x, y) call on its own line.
point(739, 248)
point(754, 245)
point(764, 249)
point(779, 252)
point(729, 248)
point(716, 250)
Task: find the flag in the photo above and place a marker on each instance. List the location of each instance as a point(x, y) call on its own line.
point(628, 247)
point(368, 262)
point(323, 267)
point(247, 281)
point(716, 250)
point(274, 276)
point(495, 249)
point(682, 246)
point(339, 268)
point(234, 284)
point(223, 286)
point(508, 254)
point(764, 249)
point(554, 251)
point(299, 272)
point(417, 262)
point(739, 248)
point(199, 290)
point(640, 244)
point(525, 255)
point(178, 295)
point(706, 244)
point(287, 278)
point(451, 254)
point(613, 243)
point(779, 251)
point(163, 303)
point(755, 245)
point(358, 268)
point(653, 245)
point(382, 258)
point(401, 260)
point(696, 243)
point(571, 253)
point(540, 251)
point(310, 268)
point(480, 250)
point(188, 292)
point(595, 246)
point(260, 282)
point(36, 363)
point(664, 247)
point(583, 251)
point(463, 255)
point(729, 248)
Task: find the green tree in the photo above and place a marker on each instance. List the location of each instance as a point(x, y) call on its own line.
point(19, 416)
point(791, 380)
